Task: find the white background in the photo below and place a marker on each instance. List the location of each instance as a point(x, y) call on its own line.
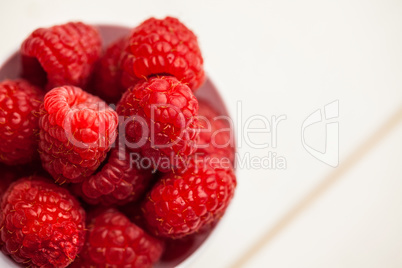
point(286, 58)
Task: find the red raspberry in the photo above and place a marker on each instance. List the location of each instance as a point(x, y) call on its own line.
point(61, 55)
point(160, 121)
point(120, 180)
point(114, 241)
point(19, 107)
point(108, 75)
point(41, 223)
point(76, 132)
point(181, 204)
point(160, 47)
point(216, 133)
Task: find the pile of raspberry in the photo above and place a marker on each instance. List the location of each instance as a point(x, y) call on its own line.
point(107, 155)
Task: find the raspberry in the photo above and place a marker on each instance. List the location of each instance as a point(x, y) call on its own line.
point(114, 241)
point(160, 47)
point(76, 132)
point(181, 204)
point(19, 107)
point(41, 223)
point(216, 134)
point(120, 181)
point(61, 55)
point(108, 74)
point(160, 121)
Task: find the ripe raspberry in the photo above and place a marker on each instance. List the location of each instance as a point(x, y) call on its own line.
point(216, 133)
point(160, 47)
point(108, 75)
point(19, 107)
point(61, 55)
point(160, 117)
point(120, 180)
point(41, 223)
point(181, 204)
point(114, 241)
point(76, 132)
